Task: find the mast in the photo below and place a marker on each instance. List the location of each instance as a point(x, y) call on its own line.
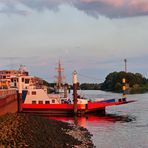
point(125, 61)
point(59, 78)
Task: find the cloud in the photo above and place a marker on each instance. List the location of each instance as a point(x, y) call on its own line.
point(108, 8)
point(113, 8)
point(12, 10)
point(11, 7)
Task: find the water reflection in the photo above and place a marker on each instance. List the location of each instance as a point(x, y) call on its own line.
point(121, 126)
point(95, 119)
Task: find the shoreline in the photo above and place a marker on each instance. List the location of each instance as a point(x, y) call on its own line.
point(27, 131)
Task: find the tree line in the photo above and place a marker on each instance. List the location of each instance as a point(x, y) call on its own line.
point(135, 82)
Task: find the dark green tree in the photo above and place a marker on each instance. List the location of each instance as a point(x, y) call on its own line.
point(136, 82)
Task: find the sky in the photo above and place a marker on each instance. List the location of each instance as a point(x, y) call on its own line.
point(92, 37)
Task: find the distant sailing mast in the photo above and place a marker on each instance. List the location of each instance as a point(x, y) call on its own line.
point(59, 78)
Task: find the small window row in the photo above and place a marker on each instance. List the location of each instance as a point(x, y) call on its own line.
point(41, 102)
point(33, 93)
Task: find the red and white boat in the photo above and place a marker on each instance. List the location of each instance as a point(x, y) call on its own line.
point(37, 100)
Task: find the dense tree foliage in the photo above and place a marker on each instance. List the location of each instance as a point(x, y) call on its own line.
point(89, 86)
point(136, 83)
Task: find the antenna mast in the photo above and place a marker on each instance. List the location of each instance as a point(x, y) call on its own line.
point(125, 60)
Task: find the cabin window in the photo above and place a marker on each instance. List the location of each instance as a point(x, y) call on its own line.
point(4, 77)
point(12, 80)
point(53, 101)
point(40, 102)
point(33, 102)
point(27, 81)
point(47, 102)
point(120, 100)
point(33, 92)
point(22, 79)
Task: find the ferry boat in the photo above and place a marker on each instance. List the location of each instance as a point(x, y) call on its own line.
point(39, 102)
point(35, 99)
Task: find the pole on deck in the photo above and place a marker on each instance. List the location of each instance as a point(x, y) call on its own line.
point(124, 88)
point(65, 90)
point(75, 87)
point(19, 93)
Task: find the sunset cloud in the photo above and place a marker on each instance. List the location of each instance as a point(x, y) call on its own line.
point(113, 8)
point(108, 8)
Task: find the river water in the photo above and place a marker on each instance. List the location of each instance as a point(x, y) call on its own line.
point(123, 126)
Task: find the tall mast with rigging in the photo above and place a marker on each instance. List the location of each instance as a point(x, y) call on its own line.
point(59, 78)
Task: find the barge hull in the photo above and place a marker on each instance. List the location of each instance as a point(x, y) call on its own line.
point(67, 109)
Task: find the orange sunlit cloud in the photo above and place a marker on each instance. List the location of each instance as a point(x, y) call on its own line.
point(115, 8)
point(139, 5)
point(120, 3)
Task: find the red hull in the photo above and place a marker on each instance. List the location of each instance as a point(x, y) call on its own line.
point(68, 108)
